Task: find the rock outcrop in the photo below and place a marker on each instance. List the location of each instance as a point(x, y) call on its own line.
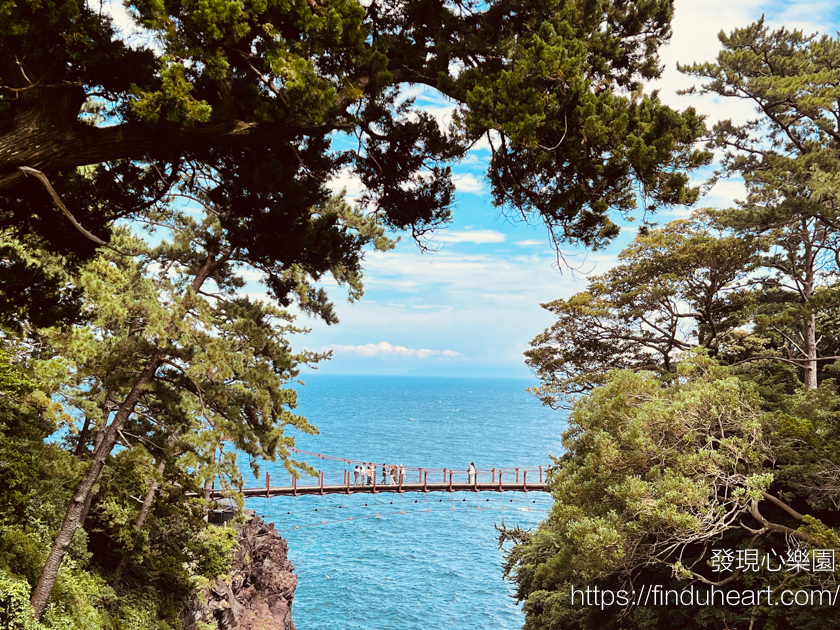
point(258, 594)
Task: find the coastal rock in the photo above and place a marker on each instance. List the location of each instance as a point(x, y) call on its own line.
point(259, 592)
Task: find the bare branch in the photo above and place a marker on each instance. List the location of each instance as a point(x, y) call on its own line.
point(44, 180)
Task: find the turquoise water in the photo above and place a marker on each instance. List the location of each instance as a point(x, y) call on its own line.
point(419, 563)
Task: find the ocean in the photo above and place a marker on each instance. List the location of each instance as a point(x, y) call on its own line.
point(410, 561)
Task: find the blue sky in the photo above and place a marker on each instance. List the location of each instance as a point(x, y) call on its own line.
point(471, 307)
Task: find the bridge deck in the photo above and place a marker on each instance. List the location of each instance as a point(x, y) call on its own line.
point(288, 491)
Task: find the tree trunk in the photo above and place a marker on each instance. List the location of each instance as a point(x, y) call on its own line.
point(77, 511)
point(809, 334)
point(809, 325)
point(141, 518)
point(82, 496)
point(51, 145)
point(208, 483)
point(83, 435)
point(144, 510)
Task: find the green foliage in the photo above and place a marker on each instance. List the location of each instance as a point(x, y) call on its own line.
point(655, 475)
point(12, 381)
point(221, 365)
point(641, 466)
point(173, 99)
point(649, 483)
point(787, 156)
point(15, 612)
point(556, 86)
point(676, 288)
point(212, 550)
point(84, 597)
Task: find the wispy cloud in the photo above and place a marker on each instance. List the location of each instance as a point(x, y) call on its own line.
point(126, 27)
point(469, 183)
point(529, 242)
point(347, 181)
point(471, 236)
point(383, 348)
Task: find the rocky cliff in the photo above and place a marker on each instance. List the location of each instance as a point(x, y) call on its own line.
point(259, 591)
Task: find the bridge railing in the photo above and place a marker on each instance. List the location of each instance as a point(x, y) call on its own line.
point(407, 475)
point(414, 474)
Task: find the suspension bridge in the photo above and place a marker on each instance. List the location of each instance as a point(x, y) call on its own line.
point(407, 479)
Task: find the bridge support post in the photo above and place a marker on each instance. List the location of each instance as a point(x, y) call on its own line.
point(419, 475)
point(374, 481)
point(517, 475)
point(321, 480)
point(425, 479)
point(540, 474)
point(444, 475)
point(267, 485)
point(493, 470)
point(450, 481)
point(348, 481)
point(294, 486)
point(475, 482)
point(401, 480)
point(525, 481)
point(500, 480)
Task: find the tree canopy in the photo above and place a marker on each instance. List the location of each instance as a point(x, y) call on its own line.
point(682, 286)
point(656, 475)
point(555, 87)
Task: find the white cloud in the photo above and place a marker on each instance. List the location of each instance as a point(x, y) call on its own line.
point(529, 242)
point(724, 193)
point(471, 236)
point(116, 11)
point(432, 102)
point(465, 183)
point(696, 26)
point(383, 348)
point(124, 24)
point(347, 181)
point(469, 184)
point(443, 307)
point(453, 278)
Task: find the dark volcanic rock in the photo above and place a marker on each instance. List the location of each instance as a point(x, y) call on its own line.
point(258, 595)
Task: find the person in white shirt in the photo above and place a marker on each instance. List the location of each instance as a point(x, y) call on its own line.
point(471, 473)
point(356, 472)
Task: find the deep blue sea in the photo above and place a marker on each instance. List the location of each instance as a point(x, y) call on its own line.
point(420, 563)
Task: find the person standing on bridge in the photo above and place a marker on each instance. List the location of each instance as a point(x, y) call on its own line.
point(371, 473)
point(471, 473)
point(402, 474)
point(384, 474)
point(356, 472)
